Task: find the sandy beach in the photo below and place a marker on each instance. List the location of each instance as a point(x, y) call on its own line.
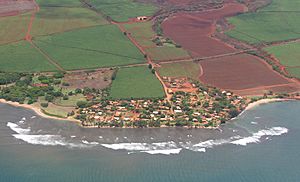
point(37, 110)
point(264, 101)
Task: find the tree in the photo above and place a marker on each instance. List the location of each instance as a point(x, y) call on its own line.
point(150, 66)
point(153, 71)
point(81, 104)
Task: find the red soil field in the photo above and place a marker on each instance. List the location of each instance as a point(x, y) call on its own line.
point(13, 7)
point(193, 31)
point(240, 72)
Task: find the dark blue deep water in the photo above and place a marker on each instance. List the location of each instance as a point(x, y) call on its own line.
point(262, 144)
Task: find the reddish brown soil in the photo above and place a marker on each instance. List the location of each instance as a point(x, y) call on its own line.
point(13, 7)
point(193, 31)
point(240, 72)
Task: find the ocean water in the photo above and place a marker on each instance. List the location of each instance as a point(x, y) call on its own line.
point(261, 145)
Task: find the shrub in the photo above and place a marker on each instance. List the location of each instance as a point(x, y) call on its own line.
point(45, 104)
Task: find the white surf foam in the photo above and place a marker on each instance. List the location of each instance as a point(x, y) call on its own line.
point(89, 143)
point(165, 148)
point(164, 152)
point(49, 140)
point(255, 138)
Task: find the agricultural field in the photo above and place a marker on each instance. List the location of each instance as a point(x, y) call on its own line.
point(22, 57)
point(144, 35)
point(100, 46)
point(276, 22)
point(59, 3)
point(288, 54)
point(51, 20)
point(294, 71)
point(19, 25)
point(181, 69)
point(123, 10)
point(136, 82)
point(239, 72)
point(194, 31)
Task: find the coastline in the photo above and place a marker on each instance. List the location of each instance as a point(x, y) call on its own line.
point(39, 112)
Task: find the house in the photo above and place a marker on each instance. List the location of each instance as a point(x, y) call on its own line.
point(142, 18)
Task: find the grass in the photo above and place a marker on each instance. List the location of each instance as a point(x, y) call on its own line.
point(283, 5)
point(22, 57)
point(265, 27)
point(166, 53)
point(122, 10)
point(295, 72)
point(13, 28)
point(182, 69)
point(71, 102)
point(59, 3)
point(144, 34)
point(51, 20)
point(288, 54)
point(100, 46)
point(136, 82)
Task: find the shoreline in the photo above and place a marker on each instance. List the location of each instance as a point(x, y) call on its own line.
point(39, 112)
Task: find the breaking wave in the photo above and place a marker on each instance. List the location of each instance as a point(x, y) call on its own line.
point(255, 138)
point(49, 140)
point(165, 148)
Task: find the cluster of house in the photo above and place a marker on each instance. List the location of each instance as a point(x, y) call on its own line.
point(198, 108)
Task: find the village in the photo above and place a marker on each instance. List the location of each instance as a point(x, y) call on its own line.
point(190, 104)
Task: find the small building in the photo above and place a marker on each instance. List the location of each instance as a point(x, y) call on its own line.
point(142, 18)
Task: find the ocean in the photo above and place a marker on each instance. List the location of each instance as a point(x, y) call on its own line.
point(261, 145)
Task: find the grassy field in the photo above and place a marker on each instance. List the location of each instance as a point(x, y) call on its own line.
point(122, 10)
point(288, 54)
point(21, 57)
point(283, 5)
point(265, 27)
point(59, 3)
point(272, 23)
point(100, 46)
point(51, 20)
point(136, 82)
point(13, 28)
point(71, 102)
point(144, 34)
point(183, 69)
point(295, 72)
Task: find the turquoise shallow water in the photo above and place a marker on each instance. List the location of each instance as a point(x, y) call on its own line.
point(261, 145)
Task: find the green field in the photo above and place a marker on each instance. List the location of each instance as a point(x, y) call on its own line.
point(59, 3)
point(122, 10)
point(182, 69)
point(288, 54)
point(13, 28)
point(283, 5)
point(144, 34)
point(272, 23)
point(51, 20)
point(100, 46)
point(295, 72)
point(136, 82)
point(21, 57)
